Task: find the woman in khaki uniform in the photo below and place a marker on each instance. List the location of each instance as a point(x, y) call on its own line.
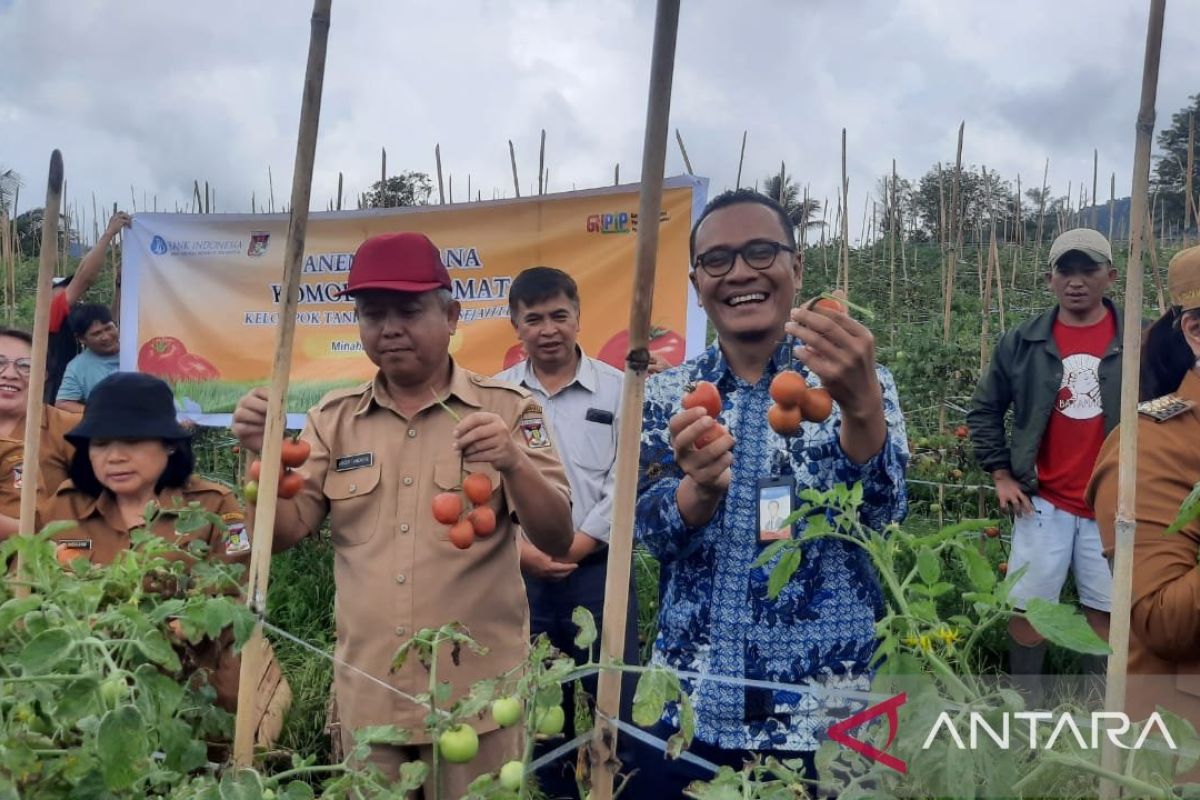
point(1164, 640)
point(130, 451)
point(15, 365)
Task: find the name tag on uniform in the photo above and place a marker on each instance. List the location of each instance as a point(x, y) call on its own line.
point(599, 415)
point(76, 544)
point(356, 461)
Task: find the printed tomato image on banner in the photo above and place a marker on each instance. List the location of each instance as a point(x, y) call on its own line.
point(159, 355)
point(665, 343)
point(515, 355)
point(192, 367)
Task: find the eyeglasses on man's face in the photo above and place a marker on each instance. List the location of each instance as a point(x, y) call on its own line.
point(758, 253)
point(23, 366)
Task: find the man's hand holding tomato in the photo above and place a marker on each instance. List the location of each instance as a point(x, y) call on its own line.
point(707, 470)
point(841, 351)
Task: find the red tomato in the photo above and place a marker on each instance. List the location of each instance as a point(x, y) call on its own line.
point(788, 388)
point(829, 304)
point(447, 507)
point(483, 521)
point(668, 344)
point(462, 535)
point(704, 395)
point(290, 484)
point(816, 404)
point(478, 488)
point(255, 470)
point(962, 431)
point(784, 420)
point(191, 367)
point(515, 355)
point(295, 452)
point(160, 355)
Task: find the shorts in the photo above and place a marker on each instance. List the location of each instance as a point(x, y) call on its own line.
point(1050, 541)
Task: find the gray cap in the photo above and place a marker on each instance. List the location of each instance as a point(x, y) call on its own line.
point(1087, 241)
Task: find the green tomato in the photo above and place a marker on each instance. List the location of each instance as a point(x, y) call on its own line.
point(459, 744)
point(511, 774)
point(113, 691)
point(551, 723)
point(268, 794)
point(506, 711)
point(250, 491)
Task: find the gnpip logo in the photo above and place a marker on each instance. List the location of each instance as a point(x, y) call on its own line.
point(158, 246)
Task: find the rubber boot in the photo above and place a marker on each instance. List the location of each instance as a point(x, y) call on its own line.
point(1025, 666)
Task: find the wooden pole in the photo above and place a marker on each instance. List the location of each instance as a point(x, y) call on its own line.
point(1112, 202)
point(892, 231)
point(255, 651)
point(616, 589)
point(1189, 202)
point(1095, 175)
point(34, 406)
point(986, 281)
point(1126, 526)
point(741, 158)
point(1037, 251)
point(541, 165)
point(512, 156)
point(437, 154)
point(845, 221)
point(271, 189)
point(1154, 271)
point(617, 174)
point(339, 195)
point(686, 161)
point(383, 192)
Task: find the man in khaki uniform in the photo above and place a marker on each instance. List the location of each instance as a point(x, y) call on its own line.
point(380, 453)
point(1164, 637)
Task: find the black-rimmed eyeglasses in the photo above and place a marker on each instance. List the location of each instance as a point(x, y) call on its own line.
point(758, 253)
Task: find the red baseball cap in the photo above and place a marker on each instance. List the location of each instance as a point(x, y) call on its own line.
point(399, 262)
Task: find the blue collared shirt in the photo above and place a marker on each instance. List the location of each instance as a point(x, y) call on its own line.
point(715, 616)
point(582, 418)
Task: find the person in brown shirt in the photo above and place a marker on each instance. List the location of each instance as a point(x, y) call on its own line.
point(16, 347)
point(130, 451)
point(380, 453)
point(1164, 637)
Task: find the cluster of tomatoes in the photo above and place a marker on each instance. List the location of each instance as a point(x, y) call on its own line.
point(480, 521)
point(795, 403)
point(292, 454)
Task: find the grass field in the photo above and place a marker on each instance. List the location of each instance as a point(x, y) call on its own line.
point(216, 397)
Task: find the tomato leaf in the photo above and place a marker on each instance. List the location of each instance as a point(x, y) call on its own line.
point(156, 648)
point(789, 562)
point(979, 571)
point(586, 624)
point(1188, 511)
point(45, 650)
point(122, 747)
point(770, 552)
point(181, 750)
point(299, 790)
point(929, 566)
point(242, 784)
point(655, 689)
point(682, 738)
point(1065, 627)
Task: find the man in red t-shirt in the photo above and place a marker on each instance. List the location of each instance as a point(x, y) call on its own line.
point(63, 346)
point(1060, 374)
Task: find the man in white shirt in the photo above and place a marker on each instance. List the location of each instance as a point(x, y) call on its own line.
point(581, 399)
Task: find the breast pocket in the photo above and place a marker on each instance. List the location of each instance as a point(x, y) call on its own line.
point(448, 477)
point(597, 447)
point(354, 504)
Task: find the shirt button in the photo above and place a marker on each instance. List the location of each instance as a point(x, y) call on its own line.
point(400, 579)
point(404, 528)
point(412, 433)
point(408, 481)
point(401, 631)
point(353, 488)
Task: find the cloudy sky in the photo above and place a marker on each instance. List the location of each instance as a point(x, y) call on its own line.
point(154, 95)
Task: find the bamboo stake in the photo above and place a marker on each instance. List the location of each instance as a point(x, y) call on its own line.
point(741, 158)
point(845, 222)
point(34, 407)
point(617, 174)
point(437, 154)
point(512, 155)
point(541, 166)
point(804, 222)
point(686, 161)
point(5, 252)
point(892, 257)
point(986, 287)
point(1112, 201)
point(270, 189)
point(1095, 175)
point(782, 178)
point(468, 187)
point(255, 651)
point(339, 194)
point(616, 589)
point(1037, 253)
point(954, 243)
point(206, 199)
point(824, 250)
point(1118, 636)
point(1154, 271)
point(1019, 236)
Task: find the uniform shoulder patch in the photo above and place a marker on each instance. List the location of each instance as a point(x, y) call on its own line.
point(1163, 408)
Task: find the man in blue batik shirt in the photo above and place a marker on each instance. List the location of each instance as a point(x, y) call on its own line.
point(697, 509)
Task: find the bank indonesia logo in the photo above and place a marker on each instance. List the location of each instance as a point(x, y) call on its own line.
point(158, 246)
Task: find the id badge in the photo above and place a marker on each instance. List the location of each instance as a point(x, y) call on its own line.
point(774, 507)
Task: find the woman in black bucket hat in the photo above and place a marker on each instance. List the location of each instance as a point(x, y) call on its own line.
point(130, 451)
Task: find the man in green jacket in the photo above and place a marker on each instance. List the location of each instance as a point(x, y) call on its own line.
point(1060, 373)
